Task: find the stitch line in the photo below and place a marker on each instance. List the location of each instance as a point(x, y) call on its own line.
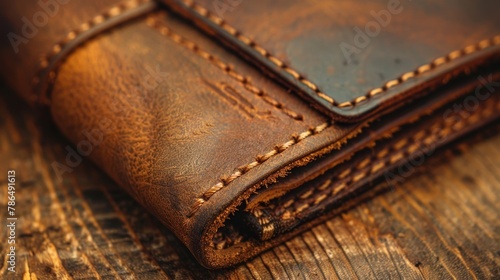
point(402, 148)
point(290, 209)
point(380, 161)
point(228, 69)
point(44, 63)
point(486, 43)
point(259, 159)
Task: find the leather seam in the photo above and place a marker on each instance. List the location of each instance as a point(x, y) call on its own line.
point(44, 63)
point(259, 159)
point(388, 156)
point(486, 43)
point(228, 69)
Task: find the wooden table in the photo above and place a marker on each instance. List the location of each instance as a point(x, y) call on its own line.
point(441, 223)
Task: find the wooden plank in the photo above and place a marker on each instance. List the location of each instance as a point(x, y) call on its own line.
point(441, 223)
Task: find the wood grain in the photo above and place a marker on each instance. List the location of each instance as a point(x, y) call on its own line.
point(441, 223)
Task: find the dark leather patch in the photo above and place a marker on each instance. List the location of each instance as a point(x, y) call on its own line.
point(350, 59)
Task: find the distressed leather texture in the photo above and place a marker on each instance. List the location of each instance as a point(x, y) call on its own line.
point(229, 151)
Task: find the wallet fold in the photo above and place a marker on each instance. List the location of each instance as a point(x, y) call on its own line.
point(239, 127)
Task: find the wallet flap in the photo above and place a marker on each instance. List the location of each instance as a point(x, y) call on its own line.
point(350, 59)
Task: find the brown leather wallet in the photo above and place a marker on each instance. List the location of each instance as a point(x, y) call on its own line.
point(241, 123)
